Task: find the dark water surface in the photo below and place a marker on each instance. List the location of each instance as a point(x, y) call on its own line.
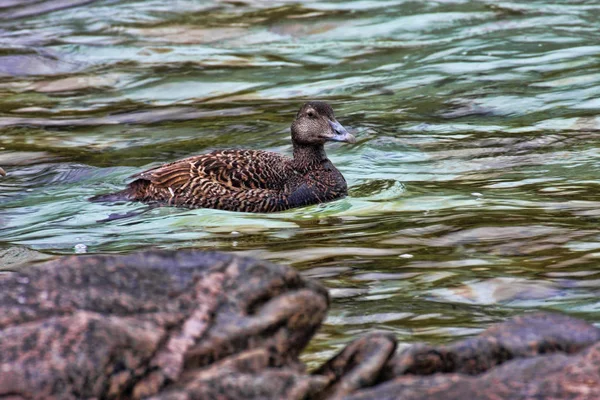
point(474, 186)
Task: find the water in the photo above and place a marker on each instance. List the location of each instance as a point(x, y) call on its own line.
point(474, 185)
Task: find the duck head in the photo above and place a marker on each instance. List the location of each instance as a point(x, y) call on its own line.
point(315, 124)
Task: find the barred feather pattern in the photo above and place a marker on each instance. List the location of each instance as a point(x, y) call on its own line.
point(239, 180)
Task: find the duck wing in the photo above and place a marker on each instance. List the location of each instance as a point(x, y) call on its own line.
point(234, 169)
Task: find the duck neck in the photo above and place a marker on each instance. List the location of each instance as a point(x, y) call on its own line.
point(306, 156)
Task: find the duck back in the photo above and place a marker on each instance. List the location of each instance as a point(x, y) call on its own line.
point(235, 180)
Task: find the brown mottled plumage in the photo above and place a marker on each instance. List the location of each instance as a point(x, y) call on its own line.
point(251, 180)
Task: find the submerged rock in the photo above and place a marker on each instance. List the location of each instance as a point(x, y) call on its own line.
point(204, 325)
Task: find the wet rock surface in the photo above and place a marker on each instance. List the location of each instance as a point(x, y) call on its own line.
point(202, 325)
point(542, 355)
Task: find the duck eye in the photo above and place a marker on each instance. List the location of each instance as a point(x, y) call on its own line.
point(311, 114)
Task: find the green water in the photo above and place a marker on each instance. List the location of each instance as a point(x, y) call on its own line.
point(474, 185)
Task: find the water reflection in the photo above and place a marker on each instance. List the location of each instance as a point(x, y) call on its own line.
point(473, 187)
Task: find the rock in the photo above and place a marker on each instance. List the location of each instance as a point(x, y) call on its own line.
point(13, 255)
point(128, 326)
point(193, 325)
point(359, 365)
point(543, 355)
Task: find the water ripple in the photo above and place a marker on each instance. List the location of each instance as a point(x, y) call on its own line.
point(473, 185)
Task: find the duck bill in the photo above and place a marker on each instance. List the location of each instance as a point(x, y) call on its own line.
point(340, 134)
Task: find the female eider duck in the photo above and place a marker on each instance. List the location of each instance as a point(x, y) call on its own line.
point(251, 180)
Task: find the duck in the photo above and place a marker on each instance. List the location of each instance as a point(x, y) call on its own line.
point(254, 181)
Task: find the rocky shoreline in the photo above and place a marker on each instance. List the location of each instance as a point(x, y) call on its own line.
point(204, 325)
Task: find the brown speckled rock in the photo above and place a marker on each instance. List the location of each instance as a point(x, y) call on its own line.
point(536, 356)
point(192, 325)
point(358, 365)
point(553, 376)
point(128, 326)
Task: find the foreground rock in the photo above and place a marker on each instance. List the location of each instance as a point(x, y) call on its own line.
point(195, 325)
point(129, 326)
